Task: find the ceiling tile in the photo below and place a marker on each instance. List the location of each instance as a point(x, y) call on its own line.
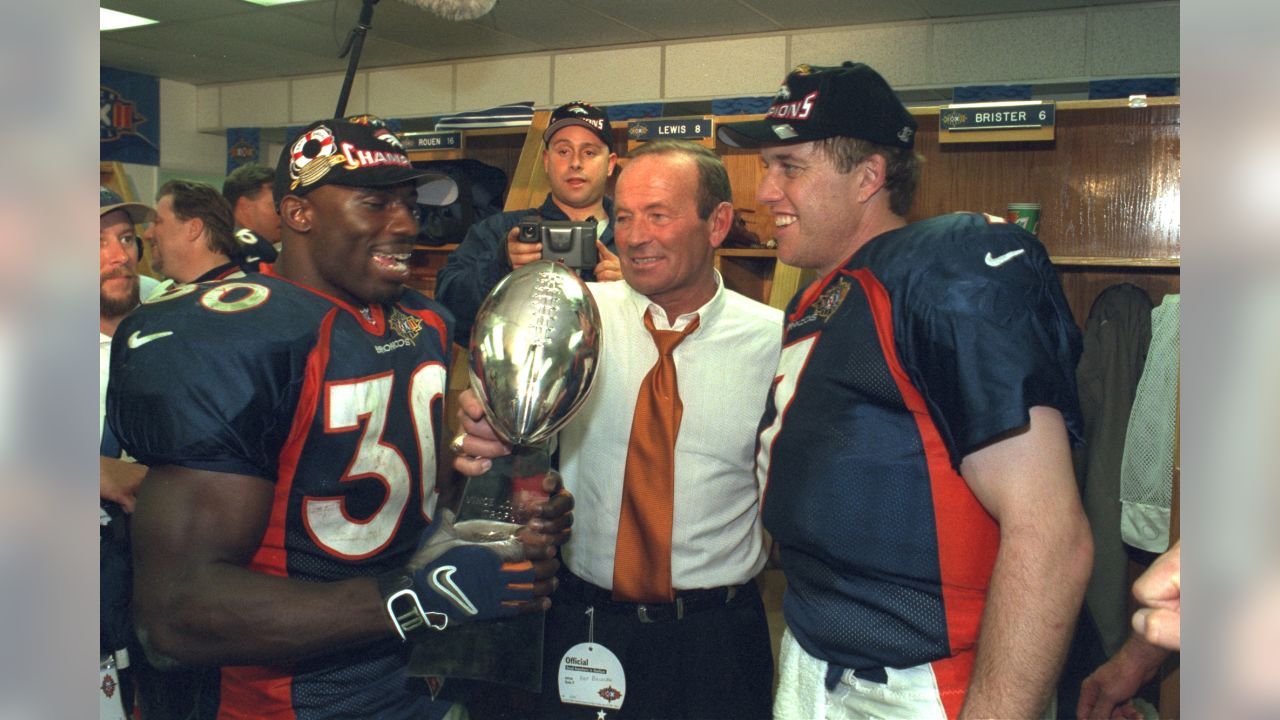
point(207, 41)
point(177, 65)
point(969, 8)
point(795, 14)
point(557, 24)
point(182, 10)
point(676, 19)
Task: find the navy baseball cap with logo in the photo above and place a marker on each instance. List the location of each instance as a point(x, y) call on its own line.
point(109, 201)
point(363, 153)
point(815, 103)
point(579, 113)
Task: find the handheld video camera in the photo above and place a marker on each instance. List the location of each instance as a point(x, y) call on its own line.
point(572, 242)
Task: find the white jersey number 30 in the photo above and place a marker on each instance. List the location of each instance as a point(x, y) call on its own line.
point(369, 399)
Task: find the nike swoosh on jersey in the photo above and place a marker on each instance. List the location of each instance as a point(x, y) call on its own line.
point(998, 261)
point(137, 341)
point(442, 582)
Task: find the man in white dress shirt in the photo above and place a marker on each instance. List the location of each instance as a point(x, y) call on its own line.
point(704, 653)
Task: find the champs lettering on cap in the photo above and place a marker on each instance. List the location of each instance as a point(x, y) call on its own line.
point(815, 103)
point(583, 114)
point(360, 152)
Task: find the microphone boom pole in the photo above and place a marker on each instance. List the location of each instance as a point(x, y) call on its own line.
point(354, 44)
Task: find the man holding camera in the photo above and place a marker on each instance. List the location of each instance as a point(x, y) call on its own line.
point(578, 160)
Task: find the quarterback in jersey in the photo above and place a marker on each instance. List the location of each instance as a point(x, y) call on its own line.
point(900, 363)
point(915, 449)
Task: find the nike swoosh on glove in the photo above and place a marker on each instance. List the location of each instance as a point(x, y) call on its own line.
point(469, 581)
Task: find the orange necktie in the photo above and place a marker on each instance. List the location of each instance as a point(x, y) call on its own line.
point(642, 558)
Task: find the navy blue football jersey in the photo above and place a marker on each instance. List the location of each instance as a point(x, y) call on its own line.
point(930, 341)
point(339, 408)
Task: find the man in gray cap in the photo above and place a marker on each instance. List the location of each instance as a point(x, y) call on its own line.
point(287, 529)
point(915, 449)
point(118, 295)
point(578, 159)
point(119, 477)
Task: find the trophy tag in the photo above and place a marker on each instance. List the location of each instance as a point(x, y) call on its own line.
point(590, 674)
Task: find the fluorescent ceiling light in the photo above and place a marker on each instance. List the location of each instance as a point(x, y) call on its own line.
point(115, 20)
point(269, 3)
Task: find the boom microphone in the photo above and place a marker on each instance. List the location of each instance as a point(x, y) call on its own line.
point(448, 9)
point(455, 9)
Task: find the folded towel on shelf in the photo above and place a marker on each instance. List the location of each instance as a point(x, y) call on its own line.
point(510, 115)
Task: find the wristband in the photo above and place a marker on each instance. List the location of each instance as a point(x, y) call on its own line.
point(401, 601)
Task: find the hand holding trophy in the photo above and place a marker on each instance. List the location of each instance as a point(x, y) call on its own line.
point(533, 357)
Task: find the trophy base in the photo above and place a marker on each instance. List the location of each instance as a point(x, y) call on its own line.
point(499, 651)
point(493, 507)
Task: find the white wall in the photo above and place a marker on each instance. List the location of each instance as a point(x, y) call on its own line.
point(183, 150)
point(144, 181)
point(1072, 46)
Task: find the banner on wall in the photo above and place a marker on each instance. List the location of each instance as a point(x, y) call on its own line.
point(129, 117)
point(244, 146)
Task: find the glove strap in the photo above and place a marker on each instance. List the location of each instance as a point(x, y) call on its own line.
point(404, 608)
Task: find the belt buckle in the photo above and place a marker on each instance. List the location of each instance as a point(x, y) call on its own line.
point(642, 611)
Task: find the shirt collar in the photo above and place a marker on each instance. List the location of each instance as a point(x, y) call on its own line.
point(708, 311)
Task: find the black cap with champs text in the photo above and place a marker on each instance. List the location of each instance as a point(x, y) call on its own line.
point(584, 114)
point(815, 103)
point(363, 153)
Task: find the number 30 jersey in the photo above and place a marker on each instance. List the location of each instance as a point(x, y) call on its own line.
point(339, 409)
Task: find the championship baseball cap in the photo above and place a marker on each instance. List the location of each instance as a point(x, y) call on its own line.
point(363, 153)
point(109, 201)
point(579, 113)
point(815, 103)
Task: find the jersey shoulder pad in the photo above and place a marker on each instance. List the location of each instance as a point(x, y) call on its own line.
point(960, 263)
point(197, 377)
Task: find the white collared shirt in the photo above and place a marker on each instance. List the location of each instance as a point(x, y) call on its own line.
point(104, 372)
point(724, 370)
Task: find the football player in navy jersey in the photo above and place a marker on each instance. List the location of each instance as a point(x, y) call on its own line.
point(288, 529)
point(915, 450)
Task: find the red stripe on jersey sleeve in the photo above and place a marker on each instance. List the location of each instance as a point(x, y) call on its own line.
point(271, 556)
point(968, 537)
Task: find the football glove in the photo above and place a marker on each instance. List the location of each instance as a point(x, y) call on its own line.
point(451, 579)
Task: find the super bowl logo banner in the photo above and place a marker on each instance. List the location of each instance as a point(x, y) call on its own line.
point(129, 117)
point(244, 146)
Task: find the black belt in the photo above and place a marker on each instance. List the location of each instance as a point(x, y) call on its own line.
point(687, 601)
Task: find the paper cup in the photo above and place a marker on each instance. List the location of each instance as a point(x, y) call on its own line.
point(1025, 215)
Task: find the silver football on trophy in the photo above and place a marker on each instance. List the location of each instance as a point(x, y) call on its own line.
point(534, 351)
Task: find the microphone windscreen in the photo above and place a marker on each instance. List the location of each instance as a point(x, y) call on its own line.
point(455, 9)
